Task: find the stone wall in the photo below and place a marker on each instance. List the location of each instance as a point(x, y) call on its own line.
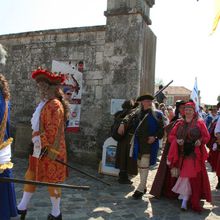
point(119, 63)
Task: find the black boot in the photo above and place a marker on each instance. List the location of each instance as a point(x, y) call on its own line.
point(22, 214)
point(137, 195)
point(51, 217)
point(218, 185)
point(123, 178)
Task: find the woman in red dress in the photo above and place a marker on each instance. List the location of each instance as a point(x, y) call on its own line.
point(164, 180)
point(188, 155)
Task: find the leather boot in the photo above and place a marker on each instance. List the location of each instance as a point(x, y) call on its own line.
point(137, 195)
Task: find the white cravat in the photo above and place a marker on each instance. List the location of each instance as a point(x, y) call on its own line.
point(35, 121)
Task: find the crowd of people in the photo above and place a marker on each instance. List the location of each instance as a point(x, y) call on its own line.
point(186, 138)
point(143, 128)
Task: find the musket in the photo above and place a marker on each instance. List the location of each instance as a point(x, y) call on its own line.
point(38, 183)
point(161, 90)
point(83, 172)
point(137, 109)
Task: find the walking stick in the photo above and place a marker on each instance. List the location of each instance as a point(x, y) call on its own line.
point(13, 180)
point(83, 172)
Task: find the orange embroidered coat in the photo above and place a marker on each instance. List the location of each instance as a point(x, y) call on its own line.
point(51, 131)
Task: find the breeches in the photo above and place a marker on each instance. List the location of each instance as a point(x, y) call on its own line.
point(53, 191)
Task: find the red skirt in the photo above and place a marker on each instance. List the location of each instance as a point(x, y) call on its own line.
point(213, 159)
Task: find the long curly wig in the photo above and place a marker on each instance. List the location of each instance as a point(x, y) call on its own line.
point(4, 87)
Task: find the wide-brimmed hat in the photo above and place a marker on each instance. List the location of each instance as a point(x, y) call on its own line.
point(145, 97)
point(47, 76)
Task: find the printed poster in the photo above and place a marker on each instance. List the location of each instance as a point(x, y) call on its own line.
point(72, 88)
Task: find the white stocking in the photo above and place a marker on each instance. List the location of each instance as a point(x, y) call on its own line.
point(24, 201)
point(184, 202)
point(55, 206)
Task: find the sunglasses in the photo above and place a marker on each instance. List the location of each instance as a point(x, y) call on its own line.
point(68, 93)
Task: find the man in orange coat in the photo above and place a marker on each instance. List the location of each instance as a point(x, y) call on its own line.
point(49, 142)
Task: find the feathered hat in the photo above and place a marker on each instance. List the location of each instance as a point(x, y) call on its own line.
point(47, 76)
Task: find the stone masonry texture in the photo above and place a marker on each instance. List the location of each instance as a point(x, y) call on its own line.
point(119, 60)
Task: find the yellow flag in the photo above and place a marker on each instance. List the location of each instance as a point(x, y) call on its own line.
point(217, 15)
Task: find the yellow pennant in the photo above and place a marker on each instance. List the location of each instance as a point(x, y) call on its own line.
point(217, 15)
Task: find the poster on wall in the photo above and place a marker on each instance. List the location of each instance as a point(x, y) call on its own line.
point(107, 165)
point(116, 105)
point(72, 88)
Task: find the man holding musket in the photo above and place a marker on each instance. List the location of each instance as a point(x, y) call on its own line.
point(148, 128)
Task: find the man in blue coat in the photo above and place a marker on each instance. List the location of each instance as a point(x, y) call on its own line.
point(148, 130)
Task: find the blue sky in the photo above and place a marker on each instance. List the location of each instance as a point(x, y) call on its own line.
point(185, 49)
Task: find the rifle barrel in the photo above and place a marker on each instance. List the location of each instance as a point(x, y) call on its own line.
point(161, 90)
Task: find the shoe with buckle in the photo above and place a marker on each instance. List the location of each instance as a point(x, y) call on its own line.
point(22, 214)
point(137, 195)
point(51, 217)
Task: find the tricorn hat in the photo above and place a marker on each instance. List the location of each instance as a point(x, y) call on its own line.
point(179, 103)
point(145, 97)
point(47, 76)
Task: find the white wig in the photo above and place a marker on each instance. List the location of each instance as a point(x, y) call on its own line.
point(3, 55)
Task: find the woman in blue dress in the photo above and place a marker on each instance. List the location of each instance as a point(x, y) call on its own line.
point(7, 192)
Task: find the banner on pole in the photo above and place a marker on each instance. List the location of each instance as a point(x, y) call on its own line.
point(195, 95)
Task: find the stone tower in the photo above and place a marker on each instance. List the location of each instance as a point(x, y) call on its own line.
point(129, 54)
point(130, 48)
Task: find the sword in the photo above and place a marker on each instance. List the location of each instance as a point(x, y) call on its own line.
point(6, 180)
point(83, 172)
